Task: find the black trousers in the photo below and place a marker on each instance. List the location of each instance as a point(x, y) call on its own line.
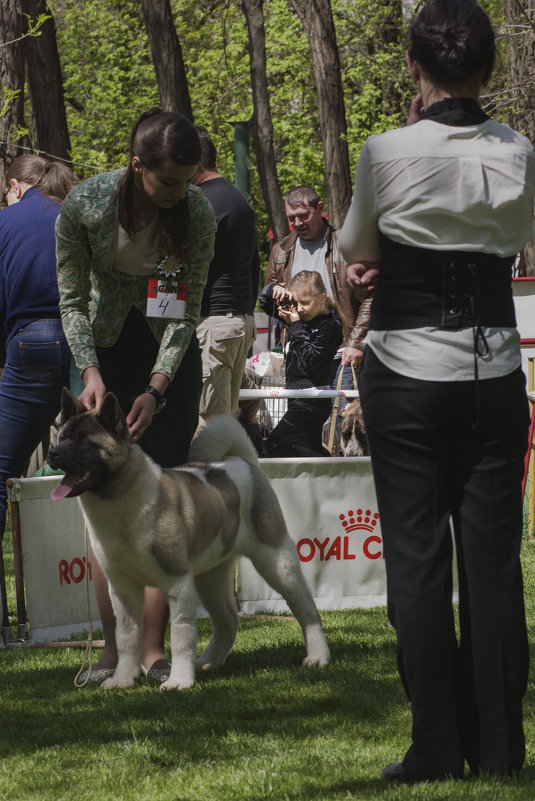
point(126, 367)
point(441, 452)
point(299, 432)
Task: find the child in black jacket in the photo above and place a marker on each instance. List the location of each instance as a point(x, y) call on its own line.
point(315, 334)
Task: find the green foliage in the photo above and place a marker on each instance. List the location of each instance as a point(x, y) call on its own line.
point(35, 25)
point(298, 147)
point(214, 41)
point(109, 80)
point(108, 77)
point(213, 37)
point(34, 28)
point(7, 96)
point(371, 39)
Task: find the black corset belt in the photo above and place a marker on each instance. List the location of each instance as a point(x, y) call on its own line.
point(417, 288)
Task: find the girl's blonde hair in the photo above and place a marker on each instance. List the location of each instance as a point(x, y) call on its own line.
point(312, 282)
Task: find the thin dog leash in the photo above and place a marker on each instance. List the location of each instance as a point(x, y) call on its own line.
point(88, 656)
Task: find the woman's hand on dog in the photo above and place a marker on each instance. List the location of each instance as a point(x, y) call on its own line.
point(145, 407)
point(140, 415)
point(94, 388)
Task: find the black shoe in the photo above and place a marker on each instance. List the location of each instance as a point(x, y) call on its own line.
point(396, 772)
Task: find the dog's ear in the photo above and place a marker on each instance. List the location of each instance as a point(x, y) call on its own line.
point(70, 405)
point(111, 417)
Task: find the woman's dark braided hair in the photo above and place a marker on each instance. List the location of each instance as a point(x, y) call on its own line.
point(453, 41)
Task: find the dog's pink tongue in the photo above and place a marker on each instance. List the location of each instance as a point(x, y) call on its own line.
point(60, 491)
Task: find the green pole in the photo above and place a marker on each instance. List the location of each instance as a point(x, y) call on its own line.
point(241, 158)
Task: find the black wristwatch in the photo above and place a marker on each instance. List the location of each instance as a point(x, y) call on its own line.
point(160, 400)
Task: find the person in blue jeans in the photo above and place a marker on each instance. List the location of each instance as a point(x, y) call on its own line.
point(36, 362)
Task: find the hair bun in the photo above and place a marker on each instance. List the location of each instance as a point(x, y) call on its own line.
point(453, 41)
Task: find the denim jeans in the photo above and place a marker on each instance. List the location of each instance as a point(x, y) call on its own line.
point(36, 368)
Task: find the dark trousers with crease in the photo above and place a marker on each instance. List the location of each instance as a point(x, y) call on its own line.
point(299, 432)
point(126, 368)
point(453, 452)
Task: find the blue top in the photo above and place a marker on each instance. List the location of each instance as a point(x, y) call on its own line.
point(28, 282)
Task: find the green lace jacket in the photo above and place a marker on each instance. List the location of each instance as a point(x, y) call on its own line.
point(95, 299)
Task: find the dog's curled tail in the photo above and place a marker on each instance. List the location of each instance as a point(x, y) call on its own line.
point(222, 437)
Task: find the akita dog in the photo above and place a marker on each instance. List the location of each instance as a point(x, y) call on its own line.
point(179, 529)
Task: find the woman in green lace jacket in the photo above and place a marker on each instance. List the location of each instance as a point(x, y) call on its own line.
point(133, 250)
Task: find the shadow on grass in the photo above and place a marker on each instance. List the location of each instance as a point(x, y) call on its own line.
point(261, 703)
point(262, 691)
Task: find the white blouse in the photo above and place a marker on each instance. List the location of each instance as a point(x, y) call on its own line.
point(135, 257)
point(443, 187)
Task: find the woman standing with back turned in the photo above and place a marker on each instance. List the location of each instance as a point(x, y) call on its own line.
point(443, 206)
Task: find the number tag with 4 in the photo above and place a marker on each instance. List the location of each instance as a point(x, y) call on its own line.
point(167, 300)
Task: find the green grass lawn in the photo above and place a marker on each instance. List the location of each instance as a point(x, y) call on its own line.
point(263, 727)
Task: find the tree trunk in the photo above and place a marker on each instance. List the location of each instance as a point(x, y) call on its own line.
point(388, 32)
point(317, 19)
point(520, 26)
point(50, 133)
point(261, 123)
point(167, 57)
point(11, 79)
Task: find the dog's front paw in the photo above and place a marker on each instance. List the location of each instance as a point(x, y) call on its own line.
point(111, 684)
point(119, 681)
point(319, 660)
point(174, 684)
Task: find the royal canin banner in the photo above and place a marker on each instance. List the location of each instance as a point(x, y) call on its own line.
point(54, 561)
point(331, 513)
point(330, 510)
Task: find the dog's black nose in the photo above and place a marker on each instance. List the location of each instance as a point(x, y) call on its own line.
point(52, 458)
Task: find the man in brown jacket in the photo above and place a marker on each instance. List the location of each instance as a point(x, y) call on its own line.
point(313, 245)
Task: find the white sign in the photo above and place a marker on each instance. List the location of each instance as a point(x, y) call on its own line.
point(166, 299)
point(524, 299)
point(331, 513)
point(54, 560)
